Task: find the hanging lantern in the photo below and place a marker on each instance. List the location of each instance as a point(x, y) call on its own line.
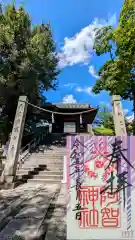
point(80, 119)
point(52, 118)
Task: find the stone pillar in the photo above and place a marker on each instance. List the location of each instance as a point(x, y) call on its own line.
point(118, 116)
point(15, 142)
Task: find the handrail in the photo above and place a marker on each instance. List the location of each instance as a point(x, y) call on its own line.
point(30, 145)
point(22, 149)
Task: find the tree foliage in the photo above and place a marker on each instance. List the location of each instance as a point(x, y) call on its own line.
point(104, 117)
point(117, 75)
point(102, 131)
point(104, 123)
point(28, 60)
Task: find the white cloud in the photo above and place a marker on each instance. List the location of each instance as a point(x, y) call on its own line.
point(70, 85)
point(87, 90)
point(93, 72)
point(79, 48)
point(130, 118)
point(77, 88)
point(69, 99)
point(125, 111)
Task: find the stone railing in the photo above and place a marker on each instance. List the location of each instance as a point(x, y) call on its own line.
point(26, 151)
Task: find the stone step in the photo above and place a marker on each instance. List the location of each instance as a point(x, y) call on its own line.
point(55, 162)
point(48, 167)
point(53, 165)
point(47, 177)
point(23, 177)
point(58, 153)
point(43, 162)
point(47, 164)
point(44, 181)
point(34, 168)
point(53, 168)
point(36, 160)
point(29, 166)
point(45, 157)
point(53, 148)
point(25, 171)
point(56, 149)
point(56, 169)
point(50, 173)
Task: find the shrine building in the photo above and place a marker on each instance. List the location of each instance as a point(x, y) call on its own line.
point(71, 118)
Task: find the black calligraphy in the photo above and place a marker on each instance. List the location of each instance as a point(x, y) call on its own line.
point(116, 155)
point(78, 208)
point(77, 163)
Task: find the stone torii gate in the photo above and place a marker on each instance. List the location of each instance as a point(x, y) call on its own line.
point(9, 172)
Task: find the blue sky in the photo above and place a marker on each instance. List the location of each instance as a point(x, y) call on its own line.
point(72, 24)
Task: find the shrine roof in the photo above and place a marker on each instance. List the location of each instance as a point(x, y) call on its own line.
point(63, 107)
point(66, 106)
point(73, 108)
point(72, 105)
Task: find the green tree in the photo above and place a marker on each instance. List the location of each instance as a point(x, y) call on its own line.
point(102, 131)
point(104, 123)
point(104, 117)
point(28, 60)
point(117, 75)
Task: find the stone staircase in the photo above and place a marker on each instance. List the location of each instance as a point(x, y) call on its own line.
point(43, 167)
point(27, 209)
